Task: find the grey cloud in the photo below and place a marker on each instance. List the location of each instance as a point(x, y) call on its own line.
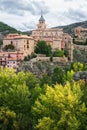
point(68, 0)
point(76, 15)
point(29, 26)
point(20, 6)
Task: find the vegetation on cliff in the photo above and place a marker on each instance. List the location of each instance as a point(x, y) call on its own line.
point(28, 103)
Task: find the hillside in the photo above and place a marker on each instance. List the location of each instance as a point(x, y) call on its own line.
point(5, 29)
point(70, 28)
point(67, 28)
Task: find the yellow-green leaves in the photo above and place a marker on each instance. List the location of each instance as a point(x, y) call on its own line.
point(60, 107)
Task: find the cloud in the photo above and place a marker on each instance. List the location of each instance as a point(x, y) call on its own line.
point(20, 7)
point(68, 0)
point(75, 14)
point(24, 14)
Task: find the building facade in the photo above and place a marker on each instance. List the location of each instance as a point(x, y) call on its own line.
point(10, 59)
point(52, 37)
point(81, 34)
point(21, 43)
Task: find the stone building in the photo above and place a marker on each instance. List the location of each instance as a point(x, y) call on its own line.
point(67, 44)
point(51, 36)
point(81, 33)
point(21, 43)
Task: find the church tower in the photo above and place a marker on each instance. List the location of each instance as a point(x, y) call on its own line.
point(41, 25)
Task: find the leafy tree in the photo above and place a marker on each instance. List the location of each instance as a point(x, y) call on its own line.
point(69, 76)
point(78, 66)
point(60, 108)
point(66, 52)
point(8, 119)
point(45, 79)
point(15, 95)
point(86, 42)
point(1, 42)
point(10, 46)
point(57, 76)
point(43, 48)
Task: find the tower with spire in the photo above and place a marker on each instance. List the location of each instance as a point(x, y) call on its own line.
point(41, 25)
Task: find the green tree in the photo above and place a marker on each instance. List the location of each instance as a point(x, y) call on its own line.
point(8, 119)
point(43, 48)
point(78, 66)
point(10, 46)
point(15, 95)
point(60, 108)
point(66, 52)
point(45, 79)
point(57, 76)
point(1, 42)
point(69, 76)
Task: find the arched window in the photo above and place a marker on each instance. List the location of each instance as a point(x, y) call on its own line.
point(11, 42)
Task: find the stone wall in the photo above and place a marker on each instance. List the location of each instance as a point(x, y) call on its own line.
point(46, 59)
point(81, 47)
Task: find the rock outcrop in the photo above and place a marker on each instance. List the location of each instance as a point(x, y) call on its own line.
point(39, 67)
point(81, 76)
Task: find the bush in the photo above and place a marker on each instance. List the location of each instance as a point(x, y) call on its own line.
point(9, 47)
point(58, 53)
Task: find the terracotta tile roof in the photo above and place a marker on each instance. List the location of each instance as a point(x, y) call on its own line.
point(17, 36)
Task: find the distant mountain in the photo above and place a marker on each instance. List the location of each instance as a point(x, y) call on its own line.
point(5, 29)
point(27, 32)
point(70, 28)
point(67, 28)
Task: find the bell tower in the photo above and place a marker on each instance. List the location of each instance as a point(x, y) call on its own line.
point(41, 25)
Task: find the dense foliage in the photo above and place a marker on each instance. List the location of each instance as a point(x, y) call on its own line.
point(58, 53)
point(43, 48)
point(28, 103)
point(9, 47)
point(1, 42)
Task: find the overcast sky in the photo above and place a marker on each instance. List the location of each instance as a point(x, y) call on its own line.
point(24, 14)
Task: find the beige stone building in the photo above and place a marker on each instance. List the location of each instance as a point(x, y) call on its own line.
point(21, 43)
point(81, 34)
point(51, 36)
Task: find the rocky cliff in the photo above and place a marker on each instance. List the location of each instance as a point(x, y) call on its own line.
point(38, 68)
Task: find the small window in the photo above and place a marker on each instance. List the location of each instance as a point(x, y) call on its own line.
point(27, 42)
point(11, 42)
point(9, 56)
point(27, 46)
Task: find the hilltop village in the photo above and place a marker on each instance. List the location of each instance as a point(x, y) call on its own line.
point(18, 46)
point(47, 89)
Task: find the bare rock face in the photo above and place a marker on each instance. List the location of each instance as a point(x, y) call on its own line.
point(38, 68)
point(81, 75)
